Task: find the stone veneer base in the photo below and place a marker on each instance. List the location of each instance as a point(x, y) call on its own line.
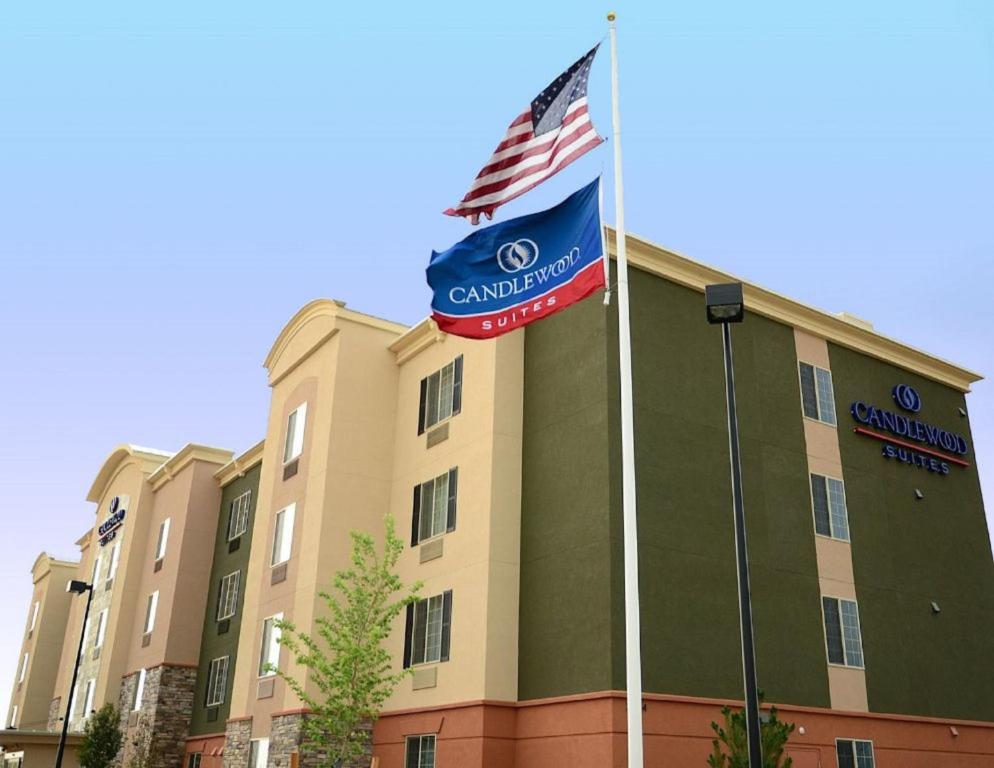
point(167, 705)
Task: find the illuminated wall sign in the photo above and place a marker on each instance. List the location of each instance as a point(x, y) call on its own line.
point(908, 439)
point(108, 528)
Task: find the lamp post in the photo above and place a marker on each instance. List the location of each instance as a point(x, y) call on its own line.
point(724, 307)
point(75, 587)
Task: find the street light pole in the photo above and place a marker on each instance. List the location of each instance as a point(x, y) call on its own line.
point(76, 587)
point(725, 306)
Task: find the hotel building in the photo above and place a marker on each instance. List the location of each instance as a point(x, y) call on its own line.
point(872, 574)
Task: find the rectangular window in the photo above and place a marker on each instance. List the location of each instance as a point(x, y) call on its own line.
point(91, 689)
point(24, 667)
point(441, 395)
point(817, 394)
point(13, 717)
point(420, 751)
point(136, 702)
point(150, 608)
point(434, 507)
point(258, 753)
point(428, 630)
point(193, 761)
point(270, 653)
point(160, 547)
point(842, 635)
point(115, 556)
point(96, 568)
point(828, 497)
point(227, 597)
point(34, 616)
point(294, 444)
point(217, 679)
point(72, 704)
point(853, 753)
point(283, 536)
point(101, 629)
point(238, 515)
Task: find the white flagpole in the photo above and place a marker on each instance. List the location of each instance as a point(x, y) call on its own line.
point(633, 651)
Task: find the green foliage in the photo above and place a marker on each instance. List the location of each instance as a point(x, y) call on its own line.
point(101, 738)
point(732, 737)
point(347, 662)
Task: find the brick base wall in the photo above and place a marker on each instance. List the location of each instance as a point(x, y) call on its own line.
point(165, 711)
point(237, 735)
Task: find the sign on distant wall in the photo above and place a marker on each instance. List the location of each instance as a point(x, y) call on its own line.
point(108, 528)
point(908, 439)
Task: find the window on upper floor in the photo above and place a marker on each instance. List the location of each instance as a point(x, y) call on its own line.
point(13, 717)
point(293, 444)
point(217, 680)
point(441, 395)
point(283, 535)
point(227, 596)
point(34, 616)
point(828, 498)
point(270, 647)
point(258, 753)
point(91, 689)
point(160, 545)
point(817, 394)
point(434, 507)
point(428, 630)
point(96, 568)
point(150, 608)
point(136, 700)
point(98, 641)
point(238, 515)
point(854, 753)
point(115, 556)
point(420, 751)
point(24, 667)
point(842, 636)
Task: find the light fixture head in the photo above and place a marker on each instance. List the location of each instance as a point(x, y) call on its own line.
point(724, 303)
point(77, 587)
point(918, 494)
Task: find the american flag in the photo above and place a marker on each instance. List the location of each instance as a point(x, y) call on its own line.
point(550, 134)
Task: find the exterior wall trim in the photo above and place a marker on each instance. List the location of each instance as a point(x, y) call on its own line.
point(239, 465)
point(417, 339)
point(147, 459)
point(188, 454)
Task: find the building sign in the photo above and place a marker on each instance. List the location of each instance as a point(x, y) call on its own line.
point(910, 439)
point(108, 528)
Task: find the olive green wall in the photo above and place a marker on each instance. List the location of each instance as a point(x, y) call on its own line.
point(214, 645)
point(907, 553)
point(572, 602)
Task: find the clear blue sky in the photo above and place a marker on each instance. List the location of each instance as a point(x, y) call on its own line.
point(175, 181)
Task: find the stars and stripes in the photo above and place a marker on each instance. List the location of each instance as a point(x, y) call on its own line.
point(550, 134)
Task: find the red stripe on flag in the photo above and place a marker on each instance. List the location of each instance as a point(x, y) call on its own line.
point(507, 162)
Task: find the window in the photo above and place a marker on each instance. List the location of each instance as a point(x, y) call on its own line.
point(34, 616)
point(101, 629)
point(238, 515)
point(91, 688)
point(283, 537)
point(852, 753)
point(434, 507)
point(193, 761)
point(842, 635)
point(24, 667)
point(13, 717)
point(828, 497)
point(270, 654)
point(160, 547)
point(817, 395)
point(426, 637)
point(96, 569)
point(420, 751)
point(72, 704)
point(441, 395)
point(294, 444)
point(227, 597)
point(258, 753)
point(150, 608)
point(115, 555)
point(217, 679)
point(136, 702)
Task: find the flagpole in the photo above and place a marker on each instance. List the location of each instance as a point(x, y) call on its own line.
point(633, 652)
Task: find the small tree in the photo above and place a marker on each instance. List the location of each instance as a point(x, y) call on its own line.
point(732, 736)
point(101, 738)
point(347, 661)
